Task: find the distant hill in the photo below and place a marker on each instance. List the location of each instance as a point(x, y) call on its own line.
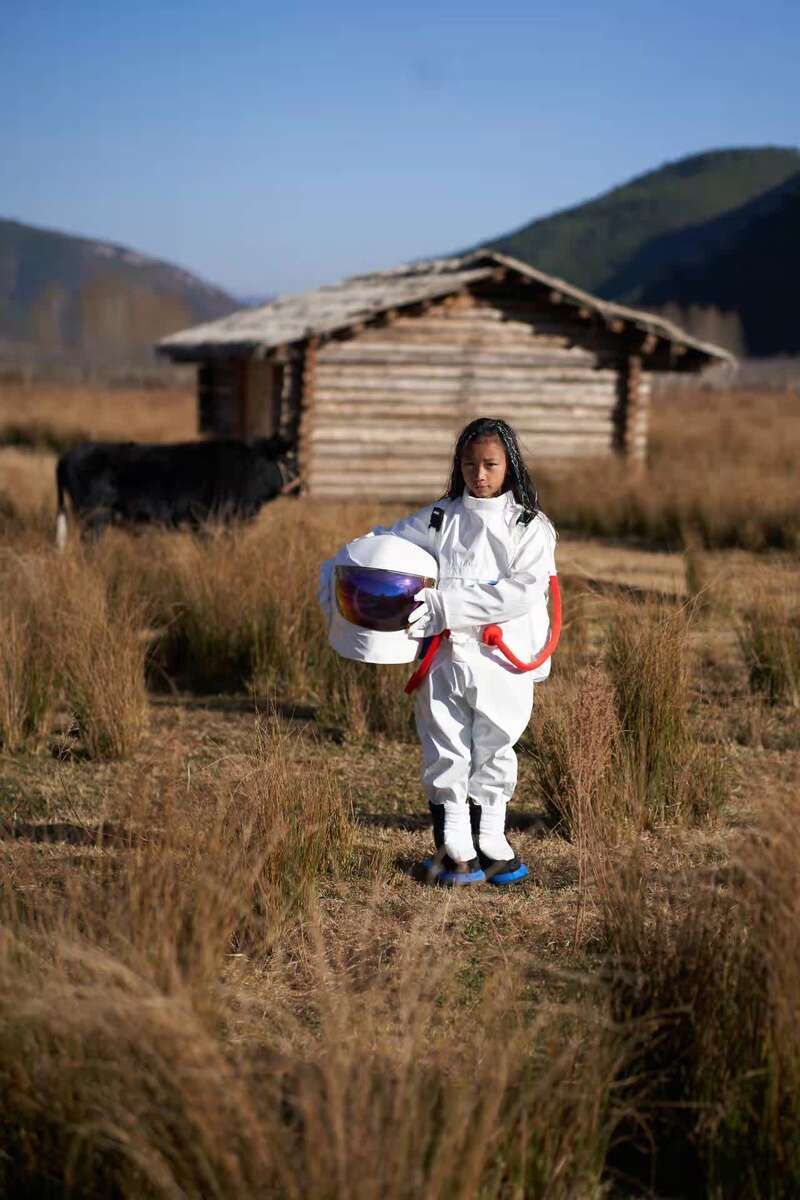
point(746, 262)
point(75, 299)
point(698, 238)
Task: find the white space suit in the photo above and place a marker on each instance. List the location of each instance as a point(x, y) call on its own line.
point(473, 706)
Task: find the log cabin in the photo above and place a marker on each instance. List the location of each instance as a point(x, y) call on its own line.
point(372, 377)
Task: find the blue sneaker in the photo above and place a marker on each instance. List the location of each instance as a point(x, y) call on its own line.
point(445, 872)
point(501, 874)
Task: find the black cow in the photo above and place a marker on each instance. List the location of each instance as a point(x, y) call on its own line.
point(187, 483)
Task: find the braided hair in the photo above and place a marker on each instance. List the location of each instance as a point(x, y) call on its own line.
point(517, 475)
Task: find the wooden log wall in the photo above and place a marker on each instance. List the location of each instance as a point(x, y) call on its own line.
point(388, 402)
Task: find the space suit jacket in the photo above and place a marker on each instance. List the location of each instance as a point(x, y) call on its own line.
point(493, 569)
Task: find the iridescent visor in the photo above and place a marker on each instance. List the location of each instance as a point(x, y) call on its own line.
point(376, 599)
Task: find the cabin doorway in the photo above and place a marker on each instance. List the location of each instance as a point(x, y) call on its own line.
point(240, 398)
point(262, 396)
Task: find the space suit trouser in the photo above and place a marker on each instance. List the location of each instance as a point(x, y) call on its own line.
point(470, 711)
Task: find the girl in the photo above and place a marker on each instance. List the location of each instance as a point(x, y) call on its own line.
point(495, 550)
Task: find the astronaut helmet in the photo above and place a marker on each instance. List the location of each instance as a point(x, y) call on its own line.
point(375, 580)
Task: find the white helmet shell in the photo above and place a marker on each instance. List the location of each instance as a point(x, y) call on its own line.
point(384, 552)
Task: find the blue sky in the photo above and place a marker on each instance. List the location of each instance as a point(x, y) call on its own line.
point(274, 147)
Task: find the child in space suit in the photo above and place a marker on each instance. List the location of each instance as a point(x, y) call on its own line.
point(495, 550)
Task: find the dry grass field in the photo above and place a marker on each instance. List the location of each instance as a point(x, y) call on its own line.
point(53, 416)
point(219, 975)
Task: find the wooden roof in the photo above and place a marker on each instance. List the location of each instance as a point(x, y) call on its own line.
point(362, 298)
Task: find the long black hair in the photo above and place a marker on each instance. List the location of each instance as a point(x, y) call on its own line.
point(518, 477)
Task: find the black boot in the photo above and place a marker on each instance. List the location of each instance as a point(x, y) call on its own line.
point(496, 871)
point(444, 870)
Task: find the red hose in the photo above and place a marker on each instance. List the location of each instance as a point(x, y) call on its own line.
point(492, 635)
point(425, 665)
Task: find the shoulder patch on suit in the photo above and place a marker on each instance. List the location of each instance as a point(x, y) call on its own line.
point(437, 516)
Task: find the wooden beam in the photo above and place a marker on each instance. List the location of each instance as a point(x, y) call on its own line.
point(417, 308)
point(346, 332)
point(649, 343)
point(308, 378)
point(631, 397)
point(245, 413)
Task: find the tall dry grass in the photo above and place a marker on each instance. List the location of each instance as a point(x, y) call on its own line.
point(101, 658)
point(136, 1094)
point(615, 746)
point(69, 643)
point(701, 587)
point(27, 682)
point(178, 1020)
point(706, 977)
point(214, 603)
point(50, 416)
point(30, 676)
point(238, 610)
point(234, 610)
point(769, 637)
point(27, 497)
point(668, 773)
point(721, 464)
point(575, 743)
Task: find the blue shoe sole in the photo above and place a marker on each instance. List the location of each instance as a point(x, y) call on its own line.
point(453, 878)
point(509, 876)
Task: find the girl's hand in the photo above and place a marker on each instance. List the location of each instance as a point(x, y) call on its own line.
point(428, 618)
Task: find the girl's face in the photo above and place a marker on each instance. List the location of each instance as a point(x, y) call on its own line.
point(484, 465)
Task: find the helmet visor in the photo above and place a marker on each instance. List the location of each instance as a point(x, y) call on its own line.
point(377, 599)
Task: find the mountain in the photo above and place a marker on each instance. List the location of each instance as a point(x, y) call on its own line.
point(75, 299)
point(671, 240)
point(746, 262)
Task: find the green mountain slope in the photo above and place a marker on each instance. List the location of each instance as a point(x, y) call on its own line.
point(596, 245)
point(746, 262)
point(65, 298)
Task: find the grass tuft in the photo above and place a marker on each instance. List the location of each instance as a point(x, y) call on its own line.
point(769, 637)
point(101, 660)
point(575, 747)
point(27, 682)
point(670, 776)
point(707, 981)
